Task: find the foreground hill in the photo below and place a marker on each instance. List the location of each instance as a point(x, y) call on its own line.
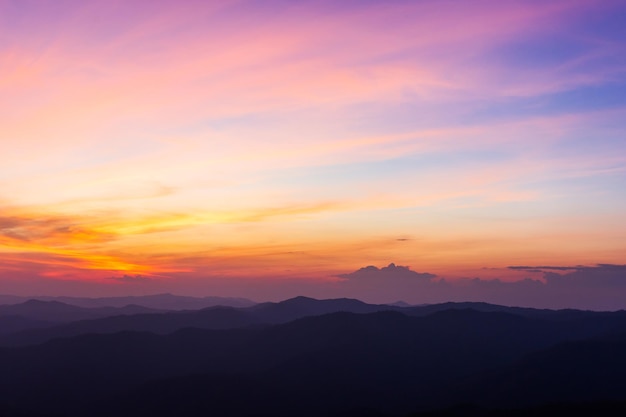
point(390, 362)
point(590, 370)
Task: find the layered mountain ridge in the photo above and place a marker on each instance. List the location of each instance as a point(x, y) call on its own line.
point(310, 357)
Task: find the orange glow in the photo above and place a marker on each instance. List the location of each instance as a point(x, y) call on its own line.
point(224, 140)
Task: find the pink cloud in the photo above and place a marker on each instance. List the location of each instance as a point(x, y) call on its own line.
point(179, 116)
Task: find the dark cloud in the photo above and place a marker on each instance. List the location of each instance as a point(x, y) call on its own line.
point(25, 229)
point(600, 287)
point(599, 276)
point(547, 268)
point(387, 284)
point(602, 276)
point(389, 272)
point(132, 278)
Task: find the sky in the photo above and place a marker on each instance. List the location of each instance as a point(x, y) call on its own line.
point(275, 148)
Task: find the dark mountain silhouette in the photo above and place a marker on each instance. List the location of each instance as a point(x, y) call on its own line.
point(574, 409)
point(298, 307)
point(588, 370)
point(318, 365)
point(345, 363)
point(311, 357)
point(6, 411)
point(487, 307)
point(64, 373)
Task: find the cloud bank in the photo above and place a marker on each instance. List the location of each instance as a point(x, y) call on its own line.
point(600, 287)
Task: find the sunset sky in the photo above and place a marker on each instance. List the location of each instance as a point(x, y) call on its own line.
point(269, 148)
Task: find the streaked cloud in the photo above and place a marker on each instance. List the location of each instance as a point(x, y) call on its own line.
point(215, 139)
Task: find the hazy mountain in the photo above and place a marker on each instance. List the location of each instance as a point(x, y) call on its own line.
point(157, 301)
point(209, 318)
point(400, 303)
point(157, 323)
point(298, 307)
point(423, 310)
point(55, 311)
point(13, 299)
point(14, 324)
point(579, 323)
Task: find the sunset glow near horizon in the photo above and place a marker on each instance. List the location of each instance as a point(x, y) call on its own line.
point(200, 147)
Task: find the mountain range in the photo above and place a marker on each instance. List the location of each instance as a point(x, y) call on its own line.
point(311, 357)
point(157, 301)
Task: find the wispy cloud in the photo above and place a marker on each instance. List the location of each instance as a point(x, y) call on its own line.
point(48, 229)
point(213, 138)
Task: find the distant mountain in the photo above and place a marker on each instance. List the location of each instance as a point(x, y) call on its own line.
point(167, 322)
point(13, 299)
point(15, 324)
point(400, 303)
point(55, 311)
point(578, 323)
point(157, 323)
point(157, 301)
point(298, 307)
point(423, 310)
